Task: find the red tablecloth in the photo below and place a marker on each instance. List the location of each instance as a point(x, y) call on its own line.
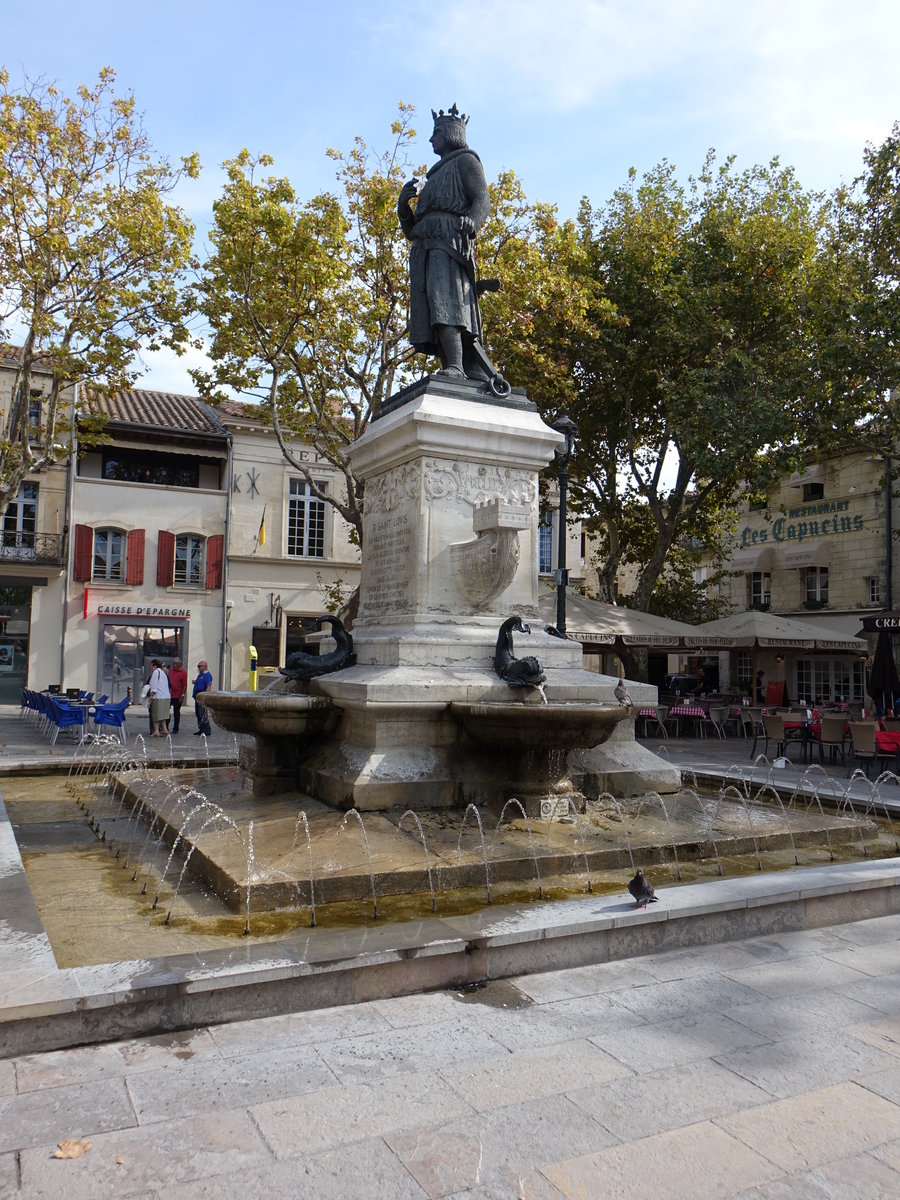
point(887, 742)
point(687, 710)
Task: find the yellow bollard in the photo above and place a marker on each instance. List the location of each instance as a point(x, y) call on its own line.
point(254, 669)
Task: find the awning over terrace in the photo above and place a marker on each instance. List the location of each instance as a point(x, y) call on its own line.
point(590, 621)
point(770, 631)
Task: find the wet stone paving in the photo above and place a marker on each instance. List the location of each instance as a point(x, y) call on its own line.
point(766, 1068)
point(763, 1067)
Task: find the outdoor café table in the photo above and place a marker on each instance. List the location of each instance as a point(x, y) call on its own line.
point(690, 712)
point(810, 727)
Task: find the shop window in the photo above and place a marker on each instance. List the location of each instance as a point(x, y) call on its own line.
point(760, 589)
point(873, 591)
point(813, 491)
point(816, 586)
point(306, 520)
point(822, 679)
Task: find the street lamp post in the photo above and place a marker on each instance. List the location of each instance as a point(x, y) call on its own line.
point(567, 427)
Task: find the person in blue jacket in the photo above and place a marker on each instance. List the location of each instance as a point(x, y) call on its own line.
point(203, 683)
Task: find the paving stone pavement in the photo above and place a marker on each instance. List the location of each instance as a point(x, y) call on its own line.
point(763, 1069)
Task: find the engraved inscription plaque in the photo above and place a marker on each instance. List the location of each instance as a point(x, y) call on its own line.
point(390, 561)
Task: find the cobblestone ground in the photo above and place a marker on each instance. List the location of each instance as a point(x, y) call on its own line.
point(765, 1068)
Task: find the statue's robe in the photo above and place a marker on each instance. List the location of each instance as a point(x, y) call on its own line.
point(441, 284)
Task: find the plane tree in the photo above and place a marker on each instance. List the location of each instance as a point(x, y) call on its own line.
point(705, 382)
point(93, 256)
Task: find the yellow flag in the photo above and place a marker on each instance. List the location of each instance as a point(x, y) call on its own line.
point(261, 536)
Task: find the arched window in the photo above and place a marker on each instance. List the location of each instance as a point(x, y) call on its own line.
point(109, 556)
point(189, 558)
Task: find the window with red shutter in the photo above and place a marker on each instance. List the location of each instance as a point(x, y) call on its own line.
point(165, 559)
point(215, 555)
point(84, 552)
point(134, 557)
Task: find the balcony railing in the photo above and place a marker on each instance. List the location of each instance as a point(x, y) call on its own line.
point(42, 549)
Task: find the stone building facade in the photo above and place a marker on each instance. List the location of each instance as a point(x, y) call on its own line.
point(291, 556)
point(182, 535)
point(821, 550)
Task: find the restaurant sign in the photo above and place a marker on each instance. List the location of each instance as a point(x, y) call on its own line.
point(811, 521)
point(882, 620)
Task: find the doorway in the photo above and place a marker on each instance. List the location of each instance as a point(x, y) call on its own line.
point(126, 652)
point(15, 625)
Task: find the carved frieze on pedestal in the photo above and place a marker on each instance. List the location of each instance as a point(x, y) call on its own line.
point(478, 483)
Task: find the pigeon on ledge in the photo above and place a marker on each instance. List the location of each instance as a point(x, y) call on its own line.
point(621, 693)
point(642, 890)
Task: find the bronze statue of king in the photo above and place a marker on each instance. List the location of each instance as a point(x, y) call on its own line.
point(450, 208)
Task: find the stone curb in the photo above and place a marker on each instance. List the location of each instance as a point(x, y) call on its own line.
point(43, 1009)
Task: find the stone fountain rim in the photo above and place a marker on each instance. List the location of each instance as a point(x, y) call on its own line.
point(291, 702)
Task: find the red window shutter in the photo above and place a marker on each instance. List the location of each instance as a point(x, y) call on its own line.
point(134, 557)
point(82, 568)
point(165, 559)
point(215, 554)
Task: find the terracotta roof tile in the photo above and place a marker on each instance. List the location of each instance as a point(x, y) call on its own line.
point(159, 410)
point(240, 408)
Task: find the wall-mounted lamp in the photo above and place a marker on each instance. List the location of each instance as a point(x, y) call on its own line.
point(779, 658)
point(863, 658)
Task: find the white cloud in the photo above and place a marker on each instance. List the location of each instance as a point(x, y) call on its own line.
point(632, 81)
point(560, 56)
point(168, 372)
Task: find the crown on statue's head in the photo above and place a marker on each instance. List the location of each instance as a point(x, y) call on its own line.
point(451, 117)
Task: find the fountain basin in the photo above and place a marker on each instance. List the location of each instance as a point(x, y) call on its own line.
point(281, 724)
point(514, 725)
point(269, 715)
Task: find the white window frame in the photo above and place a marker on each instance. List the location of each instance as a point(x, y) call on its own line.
point(19, 525)
point(546, 543)
point(873, 590)
point(760, 587)
point(307, 528)
point(816, 583)
point(110, 572)
point(829, 678)
point(190, 560)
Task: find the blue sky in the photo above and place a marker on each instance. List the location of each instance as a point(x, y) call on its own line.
point(568, 93)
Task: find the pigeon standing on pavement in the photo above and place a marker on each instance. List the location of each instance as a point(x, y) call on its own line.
point(642, 890)
point(621, 693)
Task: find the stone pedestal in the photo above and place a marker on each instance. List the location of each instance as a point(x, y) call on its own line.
point(450, 551)
point(450, 524)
